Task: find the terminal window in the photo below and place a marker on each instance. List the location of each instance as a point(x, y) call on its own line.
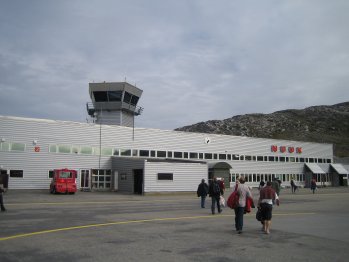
point(16, 173)
point(165, 176)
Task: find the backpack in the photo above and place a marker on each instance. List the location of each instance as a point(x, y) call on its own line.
point(216, 189)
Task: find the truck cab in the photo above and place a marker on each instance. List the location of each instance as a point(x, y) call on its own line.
point(63, 181)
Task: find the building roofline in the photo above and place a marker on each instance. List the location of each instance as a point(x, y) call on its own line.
point(272, 140)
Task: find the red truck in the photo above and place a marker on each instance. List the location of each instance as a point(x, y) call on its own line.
point(63, 181)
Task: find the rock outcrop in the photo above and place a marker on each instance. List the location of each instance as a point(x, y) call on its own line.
point(322, 124)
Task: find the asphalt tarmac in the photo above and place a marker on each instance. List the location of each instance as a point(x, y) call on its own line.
point(108, 226)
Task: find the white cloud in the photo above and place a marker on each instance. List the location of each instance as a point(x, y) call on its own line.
point(195, 60)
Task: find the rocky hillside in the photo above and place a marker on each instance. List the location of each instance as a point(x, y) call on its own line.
point(323, 124)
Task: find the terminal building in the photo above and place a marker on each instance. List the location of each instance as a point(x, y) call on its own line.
point(110, 154)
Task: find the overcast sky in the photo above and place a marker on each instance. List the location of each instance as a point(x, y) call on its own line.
point(195, 60)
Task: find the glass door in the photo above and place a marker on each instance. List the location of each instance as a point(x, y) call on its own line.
point(85, 179)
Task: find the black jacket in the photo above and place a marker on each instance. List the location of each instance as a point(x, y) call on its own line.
point(202, 189)
point(3, 181)
point(212, 192)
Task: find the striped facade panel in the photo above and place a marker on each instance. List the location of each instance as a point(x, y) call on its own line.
point(35, 165)
point(266, 167)
point(188, 142)
point(124, 168)
point(127, 119)
point(154, 139)
point(186, 176)
point(120, 118)
point(109, 118)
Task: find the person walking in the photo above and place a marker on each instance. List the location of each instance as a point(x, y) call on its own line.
point(222, 185)
point(293, 186)
point(276, 185)
point(3, 188)
point(202, 192)
point(267, 197)
point(261, 185)
point(313, 185)
point(215, 194)
point(243, 192)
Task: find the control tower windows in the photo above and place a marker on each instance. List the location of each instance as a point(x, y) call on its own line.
point(130, 99)
point(114, 96)
point(100, 96)
point(127, 97)
point(107, 96)
point(134, 100)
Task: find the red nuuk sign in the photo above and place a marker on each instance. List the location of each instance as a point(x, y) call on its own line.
point(283, 149)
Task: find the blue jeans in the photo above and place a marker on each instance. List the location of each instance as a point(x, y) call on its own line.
point(239, 218)
point(215, 201)
point(203, 198)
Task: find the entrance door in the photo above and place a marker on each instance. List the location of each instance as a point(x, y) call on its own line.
point(138, 181)
point(85, 179)
point(220, 173)
point(341, 180)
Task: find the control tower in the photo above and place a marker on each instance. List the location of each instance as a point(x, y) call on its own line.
point(114, 103)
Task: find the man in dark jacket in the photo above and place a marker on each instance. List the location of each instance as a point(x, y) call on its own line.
point(3, 187)
point(215, 193)
point(275, 184)
point(202, 192)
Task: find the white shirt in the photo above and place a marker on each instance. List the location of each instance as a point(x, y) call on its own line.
point(270, 201)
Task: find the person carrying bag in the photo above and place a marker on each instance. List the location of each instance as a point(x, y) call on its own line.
point(233, 199)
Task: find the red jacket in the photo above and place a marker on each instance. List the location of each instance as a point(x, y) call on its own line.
point(249, 204)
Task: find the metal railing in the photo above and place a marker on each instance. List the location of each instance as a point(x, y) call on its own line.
point(91, 109)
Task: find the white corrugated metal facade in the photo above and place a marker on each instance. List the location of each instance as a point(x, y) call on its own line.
point(186, 176)
point(114, 118)
point(186, 155)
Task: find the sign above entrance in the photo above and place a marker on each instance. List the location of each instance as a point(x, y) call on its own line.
point(289, 149)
